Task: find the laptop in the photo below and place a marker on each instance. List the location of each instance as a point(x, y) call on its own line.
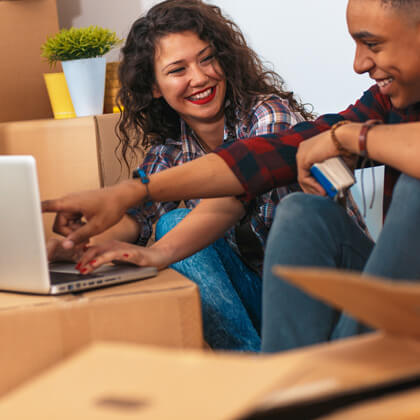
point(23, 257)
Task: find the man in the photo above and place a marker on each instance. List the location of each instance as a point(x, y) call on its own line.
point(310, 229)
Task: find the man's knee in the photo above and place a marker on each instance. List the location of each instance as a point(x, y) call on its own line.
point(407, 188)
point(300, 207)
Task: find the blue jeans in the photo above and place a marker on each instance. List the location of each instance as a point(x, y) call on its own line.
point(315, 231)
point(230, 291)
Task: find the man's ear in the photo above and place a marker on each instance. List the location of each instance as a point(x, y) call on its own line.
point(156, 91)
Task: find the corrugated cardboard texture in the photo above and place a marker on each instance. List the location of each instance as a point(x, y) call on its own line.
point(116, 381)
point(119, 382)
point(72, 154)
point(113, 167)
point(38, 331)
point(65, 152)
point(24, 26)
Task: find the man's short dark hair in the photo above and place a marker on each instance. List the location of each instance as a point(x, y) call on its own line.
point(407, 7)
point(402, 3)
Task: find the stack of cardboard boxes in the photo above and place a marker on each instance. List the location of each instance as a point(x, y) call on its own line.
point(50, 362)
point(72, 154)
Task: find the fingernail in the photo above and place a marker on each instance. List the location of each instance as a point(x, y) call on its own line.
point(84, 270)
point(92, 262)
point(67, 244)
point(125, 255)
point(78, 266)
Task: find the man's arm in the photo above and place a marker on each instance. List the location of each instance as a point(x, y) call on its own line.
point(246, 168)
point(396, 145)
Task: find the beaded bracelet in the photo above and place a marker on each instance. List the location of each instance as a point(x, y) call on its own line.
point(363, 136)
point(139, 173)
point(335, 140)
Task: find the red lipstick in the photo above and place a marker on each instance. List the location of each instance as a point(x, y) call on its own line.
point(206, 100)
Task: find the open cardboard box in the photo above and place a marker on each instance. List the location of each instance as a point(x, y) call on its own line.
point(38, 331)
point(386, 305)
point(115, 381)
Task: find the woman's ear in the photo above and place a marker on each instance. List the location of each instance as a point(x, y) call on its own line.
point(156, 91)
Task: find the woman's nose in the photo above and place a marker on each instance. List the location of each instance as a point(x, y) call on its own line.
point(198, 76)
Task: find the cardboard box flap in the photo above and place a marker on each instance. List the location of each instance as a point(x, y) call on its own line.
point(383, 304)
point(113, 168)
point(320, 407)
point(114, 381)
point(339, 373)
point(38, 331)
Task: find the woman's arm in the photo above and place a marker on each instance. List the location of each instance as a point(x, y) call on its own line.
point(205, 224)
point(105, 207)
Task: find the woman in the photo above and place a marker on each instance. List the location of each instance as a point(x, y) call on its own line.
point(190, 83)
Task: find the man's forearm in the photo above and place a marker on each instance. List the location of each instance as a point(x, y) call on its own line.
point(205, 177)
point(395, 145)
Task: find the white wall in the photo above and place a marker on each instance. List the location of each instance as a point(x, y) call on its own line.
point(115, 15)
point(306, 41)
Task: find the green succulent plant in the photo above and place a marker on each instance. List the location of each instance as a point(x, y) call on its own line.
point(76, 43)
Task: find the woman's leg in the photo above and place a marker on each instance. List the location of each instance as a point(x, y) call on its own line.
point(230, 292)
point(307, 231)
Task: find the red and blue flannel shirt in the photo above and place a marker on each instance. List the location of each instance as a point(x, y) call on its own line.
point(263, 163)
point(269, 115)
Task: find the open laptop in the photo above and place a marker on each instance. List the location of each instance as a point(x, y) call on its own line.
point(23, 257)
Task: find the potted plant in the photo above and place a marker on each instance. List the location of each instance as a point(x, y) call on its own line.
point(81, 52)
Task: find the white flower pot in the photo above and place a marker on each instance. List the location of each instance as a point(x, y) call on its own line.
point(86, 82)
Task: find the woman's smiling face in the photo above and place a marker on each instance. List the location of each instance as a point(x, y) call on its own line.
point(189, 77)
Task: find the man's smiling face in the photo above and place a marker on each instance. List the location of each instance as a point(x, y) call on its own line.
point(387, 47)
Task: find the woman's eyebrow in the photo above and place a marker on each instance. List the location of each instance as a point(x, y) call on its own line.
point(180, 61)
point(172, 64)
point(204, 50)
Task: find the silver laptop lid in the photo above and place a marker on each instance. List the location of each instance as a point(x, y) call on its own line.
point(23, 257)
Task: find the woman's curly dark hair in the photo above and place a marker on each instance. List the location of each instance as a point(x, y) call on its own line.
point(147, 121)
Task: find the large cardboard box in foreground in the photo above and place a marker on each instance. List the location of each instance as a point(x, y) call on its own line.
point(24, 27)
point(72, 155)
point(37, 331)
point(112, 381)
point(326, 381)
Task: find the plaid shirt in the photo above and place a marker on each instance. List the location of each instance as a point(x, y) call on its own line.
point(269, 115)
point(263, 163)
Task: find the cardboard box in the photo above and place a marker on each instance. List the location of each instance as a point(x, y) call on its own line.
point(113, 381)
point(24, 27)
point(72, 155)
point(392, 306)
point(38, 331)
point(403, 406)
